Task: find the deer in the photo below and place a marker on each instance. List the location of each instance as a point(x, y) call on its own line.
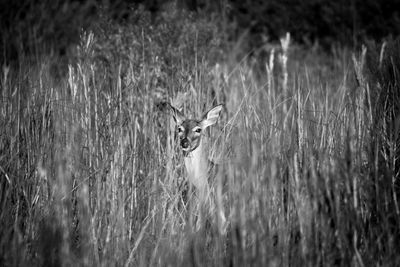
point(201, 172)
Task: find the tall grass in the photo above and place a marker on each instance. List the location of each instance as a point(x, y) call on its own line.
point(91, 173)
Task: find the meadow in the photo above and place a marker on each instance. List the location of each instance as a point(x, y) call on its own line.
point(91, 173)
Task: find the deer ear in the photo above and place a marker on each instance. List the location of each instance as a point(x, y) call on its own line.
point(211, 117)
point(177, 115)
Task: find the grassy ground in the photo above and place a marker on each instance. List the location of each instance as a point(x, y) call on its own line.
point(91, 173)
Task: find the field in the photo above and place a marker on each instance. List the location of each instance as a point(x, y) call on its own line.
point(91, 173)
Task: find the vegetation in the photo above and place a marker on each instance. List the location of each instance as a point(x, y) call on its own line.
point(323, 21)
point(91, 173)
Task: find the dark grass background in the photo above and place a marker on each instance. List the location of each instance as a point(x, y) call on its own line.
point(90, 171)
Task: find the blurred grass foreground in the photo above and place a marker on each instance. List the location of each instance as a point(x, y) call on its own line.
point(91, 173)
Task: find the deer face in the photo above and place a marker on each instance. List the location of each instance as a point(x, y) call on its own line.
point(190, 130)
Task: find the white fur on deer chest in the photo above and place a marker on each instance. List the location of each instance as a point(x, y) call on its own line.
point(196, 164)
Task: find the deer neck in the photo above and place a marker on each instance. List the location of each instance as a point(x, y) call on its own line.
point(196, 163)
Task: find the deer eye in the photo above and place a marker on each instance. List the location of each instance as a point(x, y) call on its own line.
point(180, 129)
point(198, 130)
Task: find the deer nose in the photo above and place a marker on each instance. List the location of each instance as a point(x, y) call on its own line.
point(185, 143)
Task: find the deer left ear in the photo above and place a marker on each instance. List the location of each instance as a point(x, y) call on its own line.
point(177, 115)
point(211, 117)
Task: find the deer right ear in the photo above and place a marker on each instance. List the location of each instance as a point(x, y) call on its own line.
point(211, 117)
point(177, 115)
